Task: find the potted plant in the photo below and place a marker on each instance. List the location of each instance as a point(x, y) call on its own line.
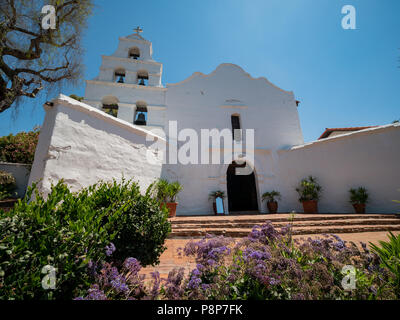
point(271, 197)
point(309, 191)
point(7, 190)
point(173, 189)
point(213, 196)
point(167, 193)
point(359, 198)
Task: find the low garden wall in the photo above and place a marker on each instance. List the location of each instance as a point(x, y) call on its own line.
point(21, 174)
point(368, 158)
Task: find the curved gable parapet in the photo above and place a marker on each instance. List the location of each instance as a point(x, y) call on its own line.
point(226, 67)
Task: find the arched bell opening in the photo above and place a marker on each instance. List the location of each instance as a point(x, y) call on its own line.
point(140, 118)
point(134, 53)
point(109, 104)
point(143, 77)
point(119, 75)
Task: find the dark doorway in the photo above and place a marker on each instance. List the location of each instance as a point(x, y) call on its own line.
point(242, 191)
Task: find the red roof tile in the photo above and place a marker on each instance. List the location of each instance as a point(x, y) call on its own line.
point(328, 131)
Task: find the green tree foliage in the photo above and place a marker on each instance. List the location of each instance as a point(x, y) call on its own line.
point(19, 148)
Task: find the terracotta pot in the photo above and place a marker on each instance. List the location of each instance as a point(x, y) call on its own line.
point(272, 207)
point(310, 206)
point(8, 204)
point(171, 206)
point(359, 207)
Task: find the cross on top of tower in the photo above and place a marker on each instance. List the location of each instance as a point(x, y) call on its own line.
point(138, 30)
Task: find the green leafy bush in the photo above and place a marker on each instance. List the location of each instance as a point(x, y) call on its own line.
point(173, 189)
point(358, 196)
point(19, 148)
point(142, 227)
point(309, 189)
point(271, 196)
point(7, 185)
point(389, 253)
point(74, 232)
point(166, 191)
point(78, 98)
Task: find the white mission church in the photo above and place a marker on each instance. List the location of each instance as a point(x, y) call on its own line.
point(107, 136)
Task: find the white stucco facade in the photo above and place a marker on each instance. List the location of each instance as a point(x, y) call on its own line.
point(82, 144)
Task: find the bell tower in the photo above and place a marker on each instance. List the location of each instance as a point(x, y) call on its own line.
point(129, 83)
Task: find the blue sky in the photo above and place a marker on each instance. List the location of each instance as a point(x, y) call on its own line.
point(342, 77)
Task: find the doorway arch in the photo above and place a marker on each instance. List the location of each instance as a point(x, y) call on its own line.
point(242, 189)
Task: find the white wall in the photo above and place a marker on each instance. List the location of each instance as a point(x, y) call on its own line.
point(21, 174)
point(207, 102)
point(83, 145)
point(369, 158)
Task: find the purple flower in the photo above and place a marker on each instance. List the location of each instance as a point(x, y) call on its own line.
point(340, 245)
point(256, 254)
point(155, 290)
point(119, 284)
point(205, 287)
point(316, 242)
point(173, 286)
point(110, 249)
point(211, 262)
point(132, 265)
point(196, 272)
point(194, 283)
point(94, 293)
point(273, 281)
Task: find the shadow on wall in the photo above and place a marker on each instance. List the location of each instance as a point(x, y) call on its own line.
point(21, 174)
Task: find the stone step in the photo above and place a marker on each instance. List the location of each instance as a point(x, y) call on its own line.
point(250, 225)
point(297, 230)
point(259, 219)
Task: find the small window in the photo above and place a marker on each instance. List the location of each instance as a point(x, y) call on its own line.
point(236, 129)
point(143, 77)
point(134, 53)
point(141, 113)
point(120, 75)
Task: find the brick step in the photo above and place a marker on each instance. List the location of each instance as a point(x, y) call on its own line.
point(243, 232)
point(259, 219)
point(250, 225)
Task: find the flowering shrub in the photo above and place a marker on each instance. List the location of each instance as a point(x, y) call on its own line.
point(19, 148)
point(75, 233)
point(7, 185)
point(268, 264)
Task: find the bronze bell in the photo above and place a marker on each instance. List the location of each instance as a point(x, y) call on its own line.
point(141, 82)
point(121, 79)
point(141, 119)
